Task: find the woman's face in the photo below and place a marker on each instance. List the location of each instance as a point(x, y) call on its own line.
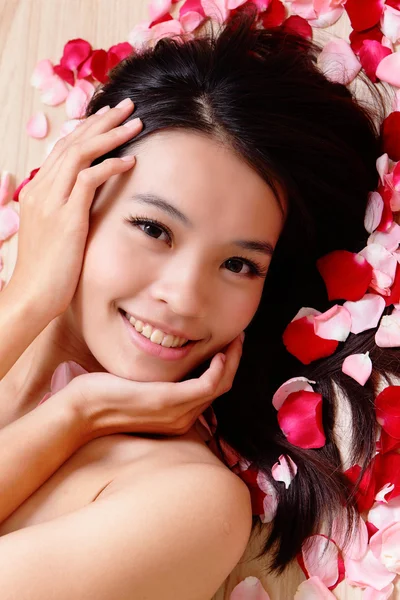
point(190, 279)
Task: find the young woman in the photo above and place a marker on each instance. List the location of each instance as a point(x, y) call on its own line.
point(250, 165)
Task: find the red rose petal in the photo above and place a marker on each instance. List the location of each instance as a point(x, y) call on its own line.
point(346, 275)
point(365, 493)
point(387, 443)
point(298, 25)
point(391, 135)
point(300, 418)
point(364, 14)
point(371, 53)
point(75, 53)
point(98, 65)
point(387, 408)
point(387, 471)
point(122, 50)
point(274, 15)
point(301, 341)
point(357, 37)
point(66, 74)
point(23, 183)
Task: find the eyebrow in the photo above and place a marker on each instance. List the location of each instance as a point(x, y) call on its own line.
point(154, 200)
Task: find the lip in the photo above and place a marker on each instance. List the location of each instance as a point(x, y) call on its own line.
point(153, 349)
point(166, 330)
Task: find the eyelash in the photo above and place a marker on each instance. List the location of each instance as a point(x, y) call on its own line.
point(257, 270)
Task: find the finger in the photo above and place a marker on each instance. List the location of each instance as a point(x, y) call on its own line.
point(78, 157)
point(233, 356)
point(90, 179)
point(193, 392)
point(91, 125)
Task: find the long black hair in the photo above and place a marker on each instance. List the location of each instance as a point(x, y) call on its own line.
point(262, 93)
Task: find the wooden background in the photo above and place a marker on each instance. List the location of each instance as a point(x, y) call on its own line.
point(31, 30)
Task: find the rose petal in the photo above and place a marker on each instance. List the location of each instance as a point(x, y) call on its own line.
point(387, 488)
point(371, 593)
point(387, 407)
point(358, 366)
point(387, 472)
point(9, 222)
point(54, 91)
point(365, 313)
point(37, 126)
point(365, 492)
point(364, 14)
point(291, 385)
point(373, 213)
point(298, 25)
point(65, 74)
point(338, 61)
point(334, 324)
point(357, 545)
point(281, 471)
point(249, 589)
point(346, 275)
point(300, 418)
point(75, 53)
point(301, 341)
point(191, 6)
point(390, 23)
point(274, 15)
point(391, 125)
point(383, 514)
point(76, 103)
point(42, 72)
point(380, 259)
point(357, 37)
point(159, 8)
point(385, 546)
point(388, 333)
point(368, 571)
point(320, 556)
point(313, 589)
point(122, 50)
point(371, 53)
point(388, 70)
point(216, 9)
point(23, 183)
point(389, 239)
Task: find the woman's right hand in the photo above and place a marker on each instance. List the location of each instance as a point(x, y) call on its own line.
point(55, 205)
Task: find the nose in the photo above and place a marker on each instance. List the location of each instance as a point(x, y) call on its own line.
point(182, 285)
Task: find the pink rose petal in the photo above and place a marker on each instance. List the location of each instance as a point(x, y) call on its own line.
point(388, 333)
point(320, 556)
point(358, 366)
point(338, 61)
point(270, 501)
point(291, 385)
point(389, 239)
point(382, 166)
point(368, 571)
point(380, 259)
point(191, 21)
point(75, 53)
point(76, 103)
point(371, 593)
point(334, 324)
point(159, 8)
point(9, 223)
point(365, 313)
point(313, 589)
point(42, 73)
point(281, 471)
point(385, 545)
point(216, 9)
point(390, 23)
point(383, 514)
point(357, 545)
point(249, 589)
point(37, 126)
point(54, 91)
point(373, 213)
point(389, 69)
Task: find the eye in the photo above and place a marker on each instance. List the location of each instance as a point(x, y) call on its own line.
point(256, 270)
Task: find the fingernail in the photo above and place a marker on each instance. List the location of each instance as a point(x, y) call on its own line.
point(102, 110)
point(128, 158)
point(242, 336)
point(124, 103)
point(132, 124)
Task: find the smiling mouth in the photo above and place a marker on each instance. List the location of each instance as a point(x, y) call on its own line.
point(183, 345)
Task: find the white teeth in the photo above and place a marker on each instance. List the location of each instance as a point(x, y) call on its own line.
point(156, 335)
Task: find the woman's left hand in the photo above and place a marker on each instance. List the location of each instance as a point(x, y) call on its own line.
point(111, 404)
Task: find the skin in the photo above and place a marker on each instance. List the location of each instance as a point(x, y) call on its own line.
point(187, 283)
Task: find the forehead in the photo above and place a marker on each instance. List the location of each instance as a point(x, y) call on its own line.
point(204, 178)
